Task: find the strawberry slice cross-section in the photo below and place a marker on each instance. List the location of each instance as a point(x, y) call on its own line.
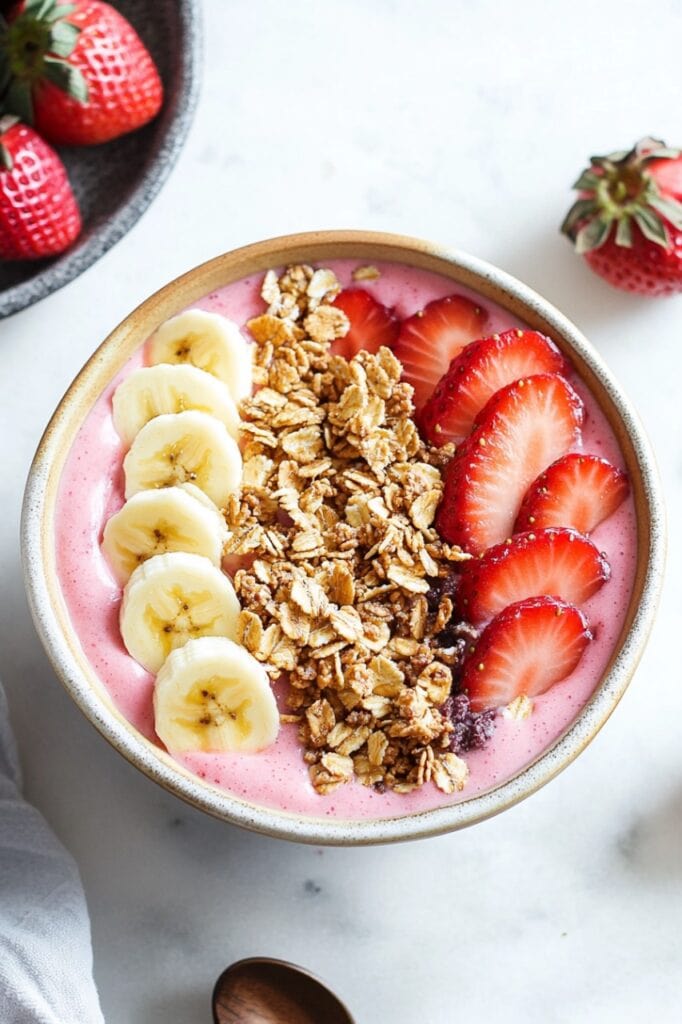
point(431, 338)
point(559, 562)
point(481, 369)
point(577, 490)
point(522, 429)
point(525, 650)
point(371, 324)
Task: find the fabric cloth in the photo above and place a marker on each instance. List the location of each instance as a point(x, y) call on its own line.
point(45, 946)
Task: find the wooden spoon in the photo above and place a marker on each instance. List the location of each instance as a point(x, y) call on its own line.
point(265, 991)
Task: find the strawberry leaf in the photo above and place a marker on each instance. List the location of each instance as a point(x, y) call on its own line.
point(605, 162)
point(6, 161)
point(587, 181)
point(671, 209)
point(592, 235)
point(662, 153)
point(38, 8)
point(60, 11)
point(18, 100)
point(624, 233)
point(651, 226)
point(63, 37)
point(647, 145)
point(581, 210)
point(67, 78)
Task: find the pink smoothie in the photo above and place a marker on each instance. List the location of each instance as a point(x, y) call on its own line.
point(91, 490)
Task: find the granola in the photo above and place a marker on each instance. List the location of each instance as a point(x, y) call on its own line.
point(335, 517)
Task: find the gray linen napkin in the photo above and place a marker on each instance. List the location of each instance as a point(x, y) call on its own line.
point(45, 946)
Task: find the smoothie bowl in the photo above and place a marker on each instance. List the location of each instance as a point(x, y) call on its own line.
point(345, 538)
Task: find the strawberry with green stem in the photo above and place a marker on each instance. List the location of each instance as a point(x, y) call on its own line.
point(76, 71)
point(627, 222)
point(38, 213)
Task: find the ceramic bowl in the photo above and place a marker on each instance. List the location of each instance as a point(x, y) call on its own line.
point(62, 644)
point(115, 183)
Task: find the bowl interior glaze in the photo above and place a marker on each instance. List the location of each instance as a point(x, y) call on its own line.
point(62, 645)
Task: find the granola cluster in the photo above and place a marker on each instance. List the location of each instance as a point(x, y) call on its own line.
point(335, 516)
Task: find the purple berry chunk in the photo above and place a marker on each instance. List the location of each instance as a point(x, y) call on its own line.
point(444, 586)
point(471, 731)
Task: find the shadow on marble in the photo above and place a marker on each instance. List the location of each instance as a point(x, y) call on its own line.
point(652, 846)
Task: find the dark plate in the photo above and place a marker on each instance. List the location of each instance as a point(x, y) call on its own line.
point(115, 183)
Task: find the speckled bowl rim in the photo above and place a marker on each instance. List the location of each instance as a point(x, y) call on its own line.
point(182, 100)
point(54, 627)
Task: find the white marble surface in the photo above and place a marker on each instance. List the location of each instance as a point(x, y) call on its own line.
point(463, 122)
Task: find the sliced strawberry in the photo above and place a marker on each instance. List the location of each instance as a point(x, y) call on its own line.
point(523, 428)
point(430, 339)
point(527, 648)
point(481, 369)
point(555, 561)
point(371, 324)
point(577, 490)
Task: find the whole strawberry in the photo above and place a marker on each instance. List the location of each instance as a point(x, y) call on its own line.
point(78, 72)
point(627, 222)
point(38, 213)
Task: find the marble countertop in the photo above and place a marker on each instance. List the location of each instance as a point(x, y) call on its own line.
point(464, 123)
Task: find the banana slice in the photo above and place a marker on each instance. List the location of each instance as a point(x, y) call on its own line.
point(171, 599)
point(156, 522)
point(184, 447)
point(209, 341)
point(154, 390)
point(213, 696)
point(199, 495)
